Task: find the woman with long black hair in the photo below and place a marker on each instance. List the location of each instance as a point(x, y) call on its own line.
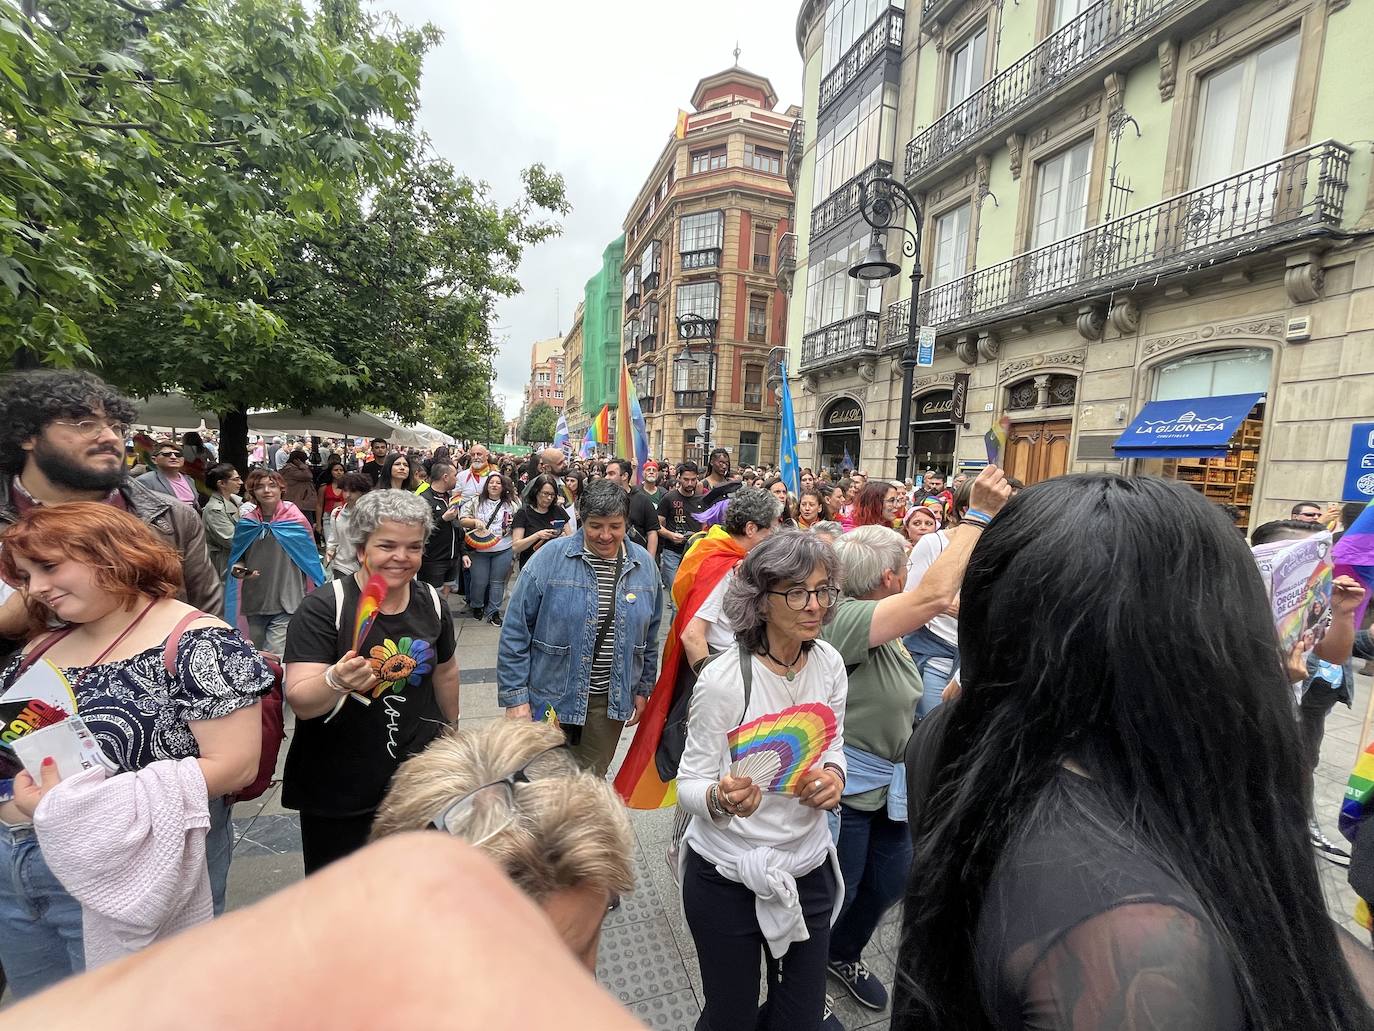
point(1110, 830)
point(399, 473)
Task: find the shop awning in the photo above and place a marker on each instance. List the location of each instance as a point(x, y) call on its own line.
point(1192, 427)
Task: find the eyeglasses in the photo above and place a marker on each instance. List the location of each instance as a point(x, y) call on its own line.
point(93, 428)
point(799, 597)
point(467, 810)
point(169, 454)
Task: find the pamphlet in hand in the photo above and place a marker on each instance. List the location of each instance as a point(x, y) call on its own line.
point(70, 743)
point(39, 698)
point(1297, 577)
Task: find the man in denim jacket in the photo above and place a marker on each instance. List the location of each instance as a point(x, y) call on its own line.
point(581, 632)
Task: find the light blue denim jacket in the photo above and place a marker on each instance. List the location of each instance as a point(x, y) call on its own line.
point(545, 655)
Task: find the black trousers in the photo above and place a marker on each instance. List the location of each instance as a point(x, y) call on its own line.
point(720, 914)
point(1318, 700)
point(327, 838)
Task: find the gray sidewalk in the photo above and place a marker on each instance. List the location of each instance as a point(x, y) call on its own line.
point(647, 957)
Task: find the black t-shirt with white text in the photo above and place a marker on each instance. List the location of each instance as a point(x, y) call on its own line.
point(677, 510)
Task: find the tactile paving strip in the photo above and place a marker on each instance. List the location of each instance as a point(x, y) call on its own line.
point(677, 1011)
point(640, 961)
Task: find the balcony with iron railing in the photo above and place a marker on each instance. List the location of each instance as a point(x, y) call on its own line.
point(631, 354)
point(787, 262)
point(1068, 62)
point(796, 144)
point(650, 283)
point(692, 261)
point(1298, 195)
point(632, 302)
point(847, 340)
point(845, 201)
point(883, 37)
point(648, 337)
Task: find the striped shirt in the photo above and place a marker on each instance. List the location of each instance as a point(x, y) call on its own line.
point(604, 659)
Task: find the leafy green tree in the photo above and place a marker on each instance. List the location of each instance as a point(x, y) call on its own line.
point(541, 421)
point(465, 409)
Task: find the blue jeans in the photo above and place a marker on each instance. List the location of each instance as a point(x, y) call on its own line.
point(40, 924)
point(875, 861)
point(668, 561)
point(935, 658)
point(487, 579)
point(267, 630)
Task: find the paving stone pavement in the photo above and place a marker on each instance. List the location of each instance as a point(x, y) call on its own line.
point(647, 958)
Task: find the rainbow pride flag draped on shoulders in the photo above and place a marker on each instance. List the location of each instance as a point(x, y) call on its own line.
point(1353, 555)
point(701, 570)
point(289, 527)
point(1354, 808)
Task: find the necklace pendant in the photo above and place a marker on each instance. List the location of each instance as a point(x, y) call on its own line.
point(791, 675)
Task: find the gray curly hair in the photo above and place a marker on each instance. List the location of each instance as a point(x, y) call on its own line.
point(751, 505)
point(784, 556)
point(379, 506)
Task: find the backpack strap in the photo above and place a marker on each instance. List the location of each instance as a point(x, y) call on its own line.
point(438, 605)
point(169, 650)
point(746, 672)
point(338, 587)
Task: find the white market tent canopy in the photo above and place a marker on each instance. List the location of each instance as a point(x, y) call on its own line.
point(176, 411)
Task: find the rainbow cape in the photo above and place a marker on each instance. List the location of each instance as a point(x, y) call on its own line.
point(702, 568)
point(1358, 791)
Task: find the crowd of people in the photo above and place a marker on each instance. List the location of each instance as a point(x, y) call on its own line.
point(1053, 724)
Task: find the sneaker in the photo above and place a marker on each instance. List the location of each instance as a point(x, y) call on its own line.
point(862, 984)
point(475, 614)
point(1326, 848)
point(830, 1022)
point(496, 618)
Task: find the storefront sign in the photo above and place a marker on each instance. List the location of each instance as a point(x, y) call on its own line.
point(934, 407)
point(1359, 466)
point(844, 414)
point(958, 399)
point(1198, 427)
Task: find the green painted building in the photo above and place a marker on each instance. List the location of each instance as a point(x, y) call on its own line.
point(601, 318)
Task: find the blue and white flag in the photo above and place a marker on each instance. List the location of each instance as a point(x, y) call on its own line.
point(788, 468)
point(560, 435)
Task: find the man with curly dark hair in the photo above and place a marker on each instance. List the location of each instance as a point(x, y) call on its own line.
point(62, 439)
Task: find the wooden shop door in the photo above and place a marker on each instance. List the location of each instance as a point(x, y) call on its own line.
point(1038, 450)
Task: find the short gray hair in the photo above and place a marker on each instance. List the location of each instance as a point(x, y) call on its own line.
point(751, 505)
point(602, 499)
point(379, 506)
point(829, 526)
point(865, 554)
point(784, 556)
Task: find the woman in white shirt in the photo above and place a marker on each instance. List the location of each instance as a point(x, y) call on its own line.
point(493, 512)
point(758, 868)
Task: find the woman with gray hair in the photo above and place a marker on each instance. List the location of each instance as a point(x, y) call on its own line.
point(758, 867)
point(514, 790)
point(866, 630)
point(362, 707)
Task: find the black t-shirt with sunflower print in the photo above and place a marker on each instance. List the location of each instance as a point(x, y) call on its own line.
point(341, 766)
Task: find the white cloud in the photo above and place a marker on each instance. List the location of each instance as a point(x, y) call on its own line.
point(592, 91)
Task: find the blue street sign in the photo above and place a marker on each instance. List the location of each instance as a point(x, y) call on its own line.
point(925, 346)
point(1359, 466)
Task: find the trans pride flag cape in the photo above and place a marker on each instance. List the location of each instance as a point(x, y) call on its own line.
point(291, 531)
point(702, 568)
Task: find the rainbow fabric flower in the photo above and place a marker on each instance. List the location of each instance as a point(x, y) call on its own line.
point(396, 663)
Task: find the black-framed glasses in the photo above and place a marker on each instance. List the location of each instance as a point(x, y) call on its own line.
point(466, 811)
point(799, 597)
point(169, 454)
point(93, 428)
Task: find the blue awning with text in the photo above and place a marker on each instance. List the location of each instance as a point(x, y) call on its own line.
point(1193, 427)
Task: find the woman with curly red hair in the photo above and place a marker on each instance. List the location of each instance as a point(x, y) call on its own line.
point(154, 679)
point(876, 505)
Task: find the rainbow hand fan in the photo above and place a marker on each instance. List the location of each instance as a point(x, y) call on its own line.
point(777, 750)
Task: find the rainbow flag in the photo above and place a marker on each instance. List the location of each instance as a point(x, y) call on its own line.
point(631, 435)
point(601, 427)
point(995, 440)
point(1355, 807)
point(1353, 555)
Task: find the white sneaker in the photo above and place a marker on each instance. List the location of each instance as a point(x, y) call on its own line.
point(1326, 848)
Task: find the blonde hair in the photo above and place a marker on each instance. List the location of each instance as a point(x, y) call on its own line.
point(569, 831)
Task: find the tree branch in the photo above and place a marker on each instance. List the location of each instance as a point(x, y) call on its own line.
point(148, 12)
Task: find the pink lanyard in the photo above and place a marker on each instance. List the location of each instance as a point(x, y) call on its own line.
point(39, 651)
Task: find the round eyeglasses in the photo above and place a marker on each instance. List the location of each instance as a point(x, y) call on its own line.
point(799, 597)
point(93, 428)
point(493, 806)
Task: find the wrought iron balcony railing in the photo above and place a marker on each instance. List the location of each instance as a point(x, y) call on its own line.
point(796, 142)
point(693, 260)
point(883, 36)
point(845, 201)
point(1299, 194)
point(690, 398)
point(853, 337)
point(1065, 56)
point(787, 262)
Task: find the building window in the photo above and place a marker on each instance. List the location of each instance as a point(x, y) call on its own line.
point(693, 375)
point(708, 160)
point(758, 320)
point(1061, 194)
point(699, 299)
point(761, 159)
point(701, 232)
point(763, 246)
point(748, 448)
point(1243, 112)
point(1215, 374)
point(845, 22)
point(967, 64)
point(864, 135)
point(753, 388)
point(832, 295)
point(951, 246)
point(631, 281)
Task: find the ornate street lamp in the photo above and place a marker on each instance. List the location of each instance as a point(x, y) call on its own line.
point(693, 330)
point(885, 204)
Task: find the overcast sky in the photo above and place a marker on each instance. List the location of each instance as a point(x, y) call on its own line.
point(592, 91)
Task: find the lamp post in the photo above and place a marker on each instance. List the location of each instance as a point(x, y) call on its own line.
point(884, 204)
point(692, 328)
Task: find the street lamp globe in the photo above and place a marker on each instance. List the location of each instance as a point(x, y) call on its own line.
point(875, 267)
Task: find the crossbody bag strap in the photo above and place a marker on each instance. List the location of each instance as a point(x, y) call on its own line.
point(40, 649)
point(610, 613)
point(746, 672)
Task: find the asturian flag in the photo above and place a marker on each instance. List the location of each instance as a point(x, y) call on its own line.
point(788, 469)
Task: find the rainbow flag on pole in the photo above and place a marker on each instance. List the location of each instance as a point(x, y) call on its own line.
point(631, 435)
point(601, 427)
